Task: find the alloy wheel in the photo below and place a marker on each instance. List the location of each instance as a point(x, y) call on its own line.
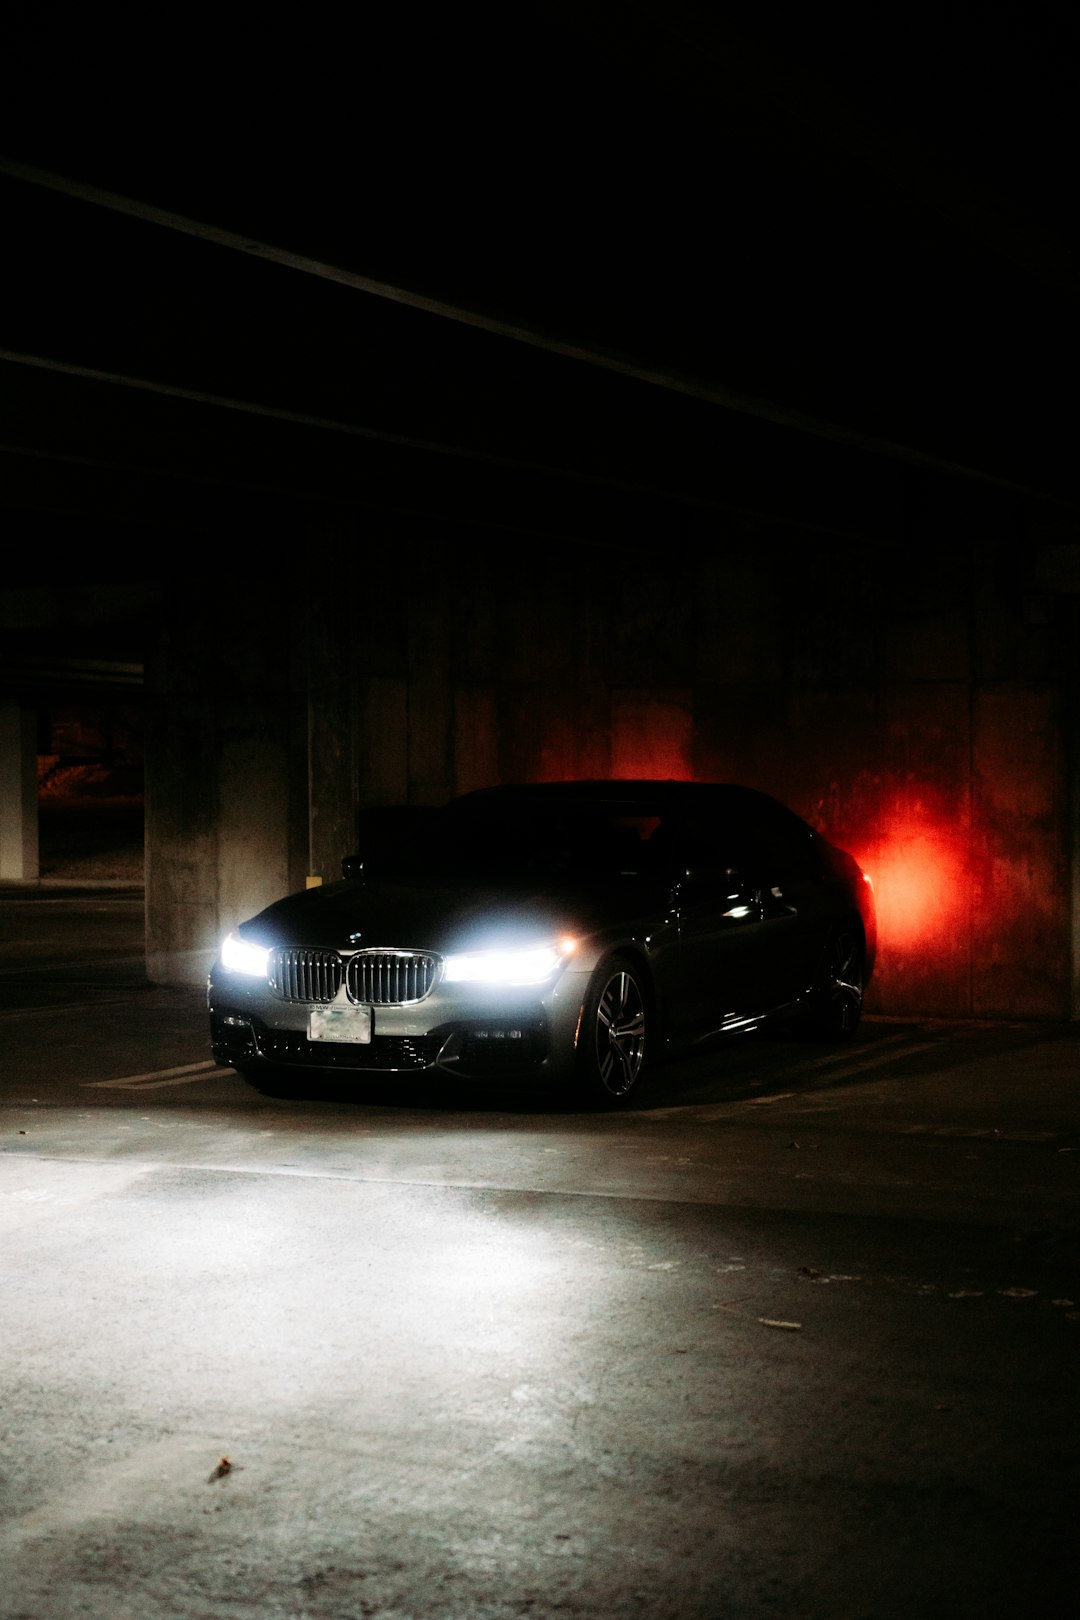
point(844, 984)
point(619, 1031)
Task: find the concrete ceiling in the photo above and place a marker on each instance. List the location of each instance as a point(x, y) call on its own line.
point(610, 251)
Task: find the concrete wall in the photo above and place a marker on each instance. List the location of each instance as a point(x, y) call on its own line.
point(18, 792)
point(226, 776)
point(908, 686)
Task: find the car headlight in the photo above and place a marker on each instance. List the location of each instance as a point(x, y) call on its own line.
point(237, 956)
point(512, 966)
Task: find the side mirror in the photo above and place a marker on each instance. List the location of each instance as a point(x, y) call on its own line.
point(380, 831)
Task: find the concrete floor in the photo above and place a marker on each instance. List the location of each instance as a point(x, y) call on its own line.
point(797, 1335)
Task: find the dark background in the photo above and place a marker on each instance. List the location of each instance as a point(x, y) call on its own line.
point(654, 371)
point(855, 223)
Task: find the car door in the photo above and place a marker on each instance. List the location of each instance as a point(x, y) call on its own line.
point(748, 906)
point(716, 904)
point(778, 850)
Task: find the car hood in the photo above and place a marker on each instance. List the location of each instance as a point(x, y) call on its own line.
point(374, 915)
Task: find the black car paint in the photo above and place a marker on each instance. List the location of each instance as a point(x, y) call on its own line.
point(729, 918)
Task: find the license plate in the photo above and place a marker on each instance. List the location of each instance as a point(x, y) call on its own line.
point(340, 1024)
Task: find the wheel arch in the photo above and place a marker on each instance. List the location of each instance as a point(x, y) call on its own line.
point(833, 1007)
point(612, 1041)
point(638, 958)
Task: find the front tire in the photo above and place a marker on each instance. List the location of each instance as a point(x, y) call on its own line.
point(612, 1033)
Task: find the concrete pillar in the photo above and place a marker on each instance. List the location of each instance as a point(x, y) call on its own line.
point(1057, 578)
point(18, 793)
point(224, 778)
point(1073, 759)
point(327, 644)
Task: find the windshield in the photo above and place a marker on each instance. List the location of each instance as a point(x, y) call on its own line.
point(481, 844)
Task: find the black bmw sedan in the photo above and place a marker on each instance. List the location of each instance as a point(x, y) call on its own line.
point(560, 932)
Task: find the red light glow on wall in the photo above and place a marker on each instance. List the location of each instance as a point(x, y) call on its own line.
point(651, 738)
point(922, 885)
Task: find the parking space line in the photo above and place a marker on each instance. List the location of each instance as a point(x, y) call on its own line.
point(185, 1075)
point(857, 1062)
point(884, 1050)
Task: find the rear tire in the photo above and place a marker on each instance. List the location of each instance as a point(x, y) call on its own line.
point(837, 1006)
point(612, 1035)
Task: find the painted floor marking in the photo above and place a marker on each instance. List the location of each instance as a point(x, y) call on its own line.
point(187, 1074)
point(980, 1131)
point(842, 1053)
point(857, 1063)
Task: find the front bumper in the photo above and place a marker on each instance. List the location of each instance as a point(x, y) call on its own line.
point(475, 1035)
point(240, 1041)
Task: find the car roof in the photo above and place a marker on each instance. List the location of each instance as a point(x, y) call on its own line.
point(715, 797)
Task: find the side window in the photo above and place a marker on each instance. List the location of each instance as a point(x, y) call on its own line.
point(762, 845)
point(784, 845)
point(698, 845)
point(738, 847)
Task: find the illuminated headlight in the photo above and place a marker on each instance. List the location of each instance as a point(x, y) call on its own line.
point(530, 966)
point(237, 956)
